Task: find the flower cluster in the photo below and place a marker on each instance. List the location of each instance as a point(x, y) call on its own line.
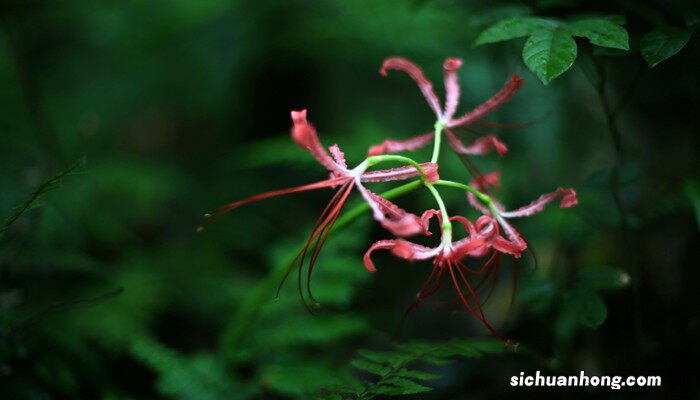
point(489, 236)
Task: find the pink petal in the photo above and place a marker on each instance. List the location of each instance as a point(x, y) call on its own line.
point(402, 64)
point(488, 229)
point(468, 225)
point(474, 246)
point(338, 156)
point(394, 146)
point(482, 183)
point(450, 68)
point(412, 252)
point(425, 220)
point(480, 146)
point(491, 104)
point(392, 217)
point(568, 200)
point(401, 173)
point(465, 246)
point(304, 134)
point(514, 245)
point(379, 245)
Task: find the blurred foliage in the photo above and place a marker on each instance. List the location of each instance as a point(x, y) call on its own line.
point(176, 107)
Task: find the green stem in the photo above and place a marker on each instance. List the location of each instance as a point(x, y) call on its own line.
point(446, 224)
point(484, 198)
point(436, 143)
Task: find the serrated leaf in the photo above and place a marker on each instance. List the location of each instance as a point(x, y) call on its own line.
point(586, 307)
point(601, 278)
point(376, 356)
point(475, 348)
point(662, 43)
point(600, 32)
point(435, 360)
point(369, 366)
point(418, 375)
point(549, 52)
point(393, 359)
point(399, 386)
point(513, 28)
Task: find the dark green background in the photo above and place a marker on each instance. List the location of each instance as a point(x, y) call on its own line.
point(177, 107)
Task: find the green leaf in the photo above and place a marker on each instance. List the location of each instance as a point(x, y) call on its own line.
point(417, 375)
point(393, 359)
point(399, 386)
point(549, 52)
point(513, 28)
point(471, 348)
point(601, 278)
point(435, 360)
point(371, 367)
point(600, 32)
point(586, 307)
point(662, 43)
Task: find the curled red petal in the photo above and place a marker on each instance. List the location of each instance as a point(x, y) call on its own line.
point(392, 217)
point(411, 251)
point(514, 245)
point(304, 134)
point(394, 146)
point(468, 246)
point(480, 146)
point(425, 220)
point(482, 183)
point(490, 105)
point(379, 245)
point(401, 173)
point(450, 68)
point(515, 248)
point(468, 225)
point(569, 199)
point(402, 64)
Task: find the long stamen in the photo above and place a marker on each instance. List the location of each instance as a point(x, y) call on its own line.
point(479, 306)
point(314, 235)
point(476, 272)
point(312, 186)
point(322, 239)
point(482, 319)
point(491, 277)
point(461, 295)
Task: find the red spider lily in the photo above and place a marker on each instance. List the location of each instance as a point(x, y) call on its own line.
point(389, 215)
point(514, 244)
point(445, 116)
point(448, 262)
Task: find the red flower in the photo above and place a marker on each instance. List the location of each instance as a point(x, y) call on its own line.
point(448, 261)
point(389, 215)
point(514, 244)
point(445, 116)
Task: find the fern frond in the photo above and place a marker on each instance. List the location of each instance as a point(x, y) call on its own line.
point(400, 371)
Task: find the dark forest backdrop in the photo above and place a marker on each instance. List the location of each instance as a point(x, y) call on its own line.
point(122, 123)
